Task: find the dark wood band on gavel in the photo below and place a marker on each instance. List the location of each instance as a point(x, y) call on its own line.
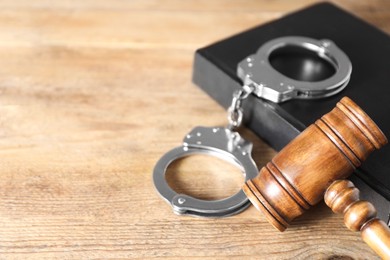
point(328, 150)
point(343, 197)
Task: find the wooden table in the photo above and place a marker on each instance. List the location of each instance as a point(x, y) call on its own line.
point(92, 93)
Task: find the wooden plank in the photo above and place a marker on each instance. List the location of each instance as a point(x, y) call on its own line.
point(123, 29)
point(190, 5)
point(92, 93)
point(145, 29)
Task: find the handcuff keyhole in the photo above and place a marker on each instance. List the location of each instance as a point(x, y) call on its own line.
point(301, 64)
point(204, 177)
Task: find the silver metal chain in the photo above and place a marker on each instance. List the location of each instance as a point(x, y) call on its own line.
point(235, 111)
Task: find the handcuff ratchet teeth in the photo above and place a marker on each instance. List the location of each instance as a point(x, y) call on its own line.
point(218, 142)
point(257, 71)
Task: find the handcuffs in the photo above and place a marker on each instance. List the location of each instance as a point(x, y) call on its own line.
point(261, 79)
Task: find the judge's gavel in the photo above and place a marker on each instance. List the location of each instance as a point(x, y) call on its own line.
point(343, 197)
point(328, 150)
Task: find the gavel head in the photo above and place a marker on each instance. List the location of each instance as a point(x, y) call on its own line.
point(328, 150)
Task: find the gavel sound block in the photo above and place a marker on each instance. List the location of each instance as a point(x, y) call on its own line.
point(328, 150)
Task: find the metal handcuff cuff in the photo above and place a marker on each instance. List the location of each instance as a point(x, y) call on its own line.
point(262, 80)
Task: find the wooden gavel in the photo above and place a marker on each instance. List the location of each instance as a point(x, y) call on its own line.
point(328, 150)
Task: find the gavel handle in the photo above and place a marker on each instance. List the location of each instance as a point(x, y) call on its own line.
point(359, 215)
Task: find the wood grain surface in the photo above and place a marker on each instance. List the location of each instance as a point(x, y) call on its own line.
point(92, 93)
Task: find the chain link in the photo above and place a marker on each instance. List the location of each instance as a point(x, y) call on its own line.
point(235, 111)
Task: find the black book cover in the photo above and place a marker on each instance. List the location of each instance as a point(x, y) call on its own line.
point(369, 51)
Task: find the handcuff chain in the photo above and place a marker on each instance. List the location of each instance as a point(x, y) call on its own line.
point(235, 111)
